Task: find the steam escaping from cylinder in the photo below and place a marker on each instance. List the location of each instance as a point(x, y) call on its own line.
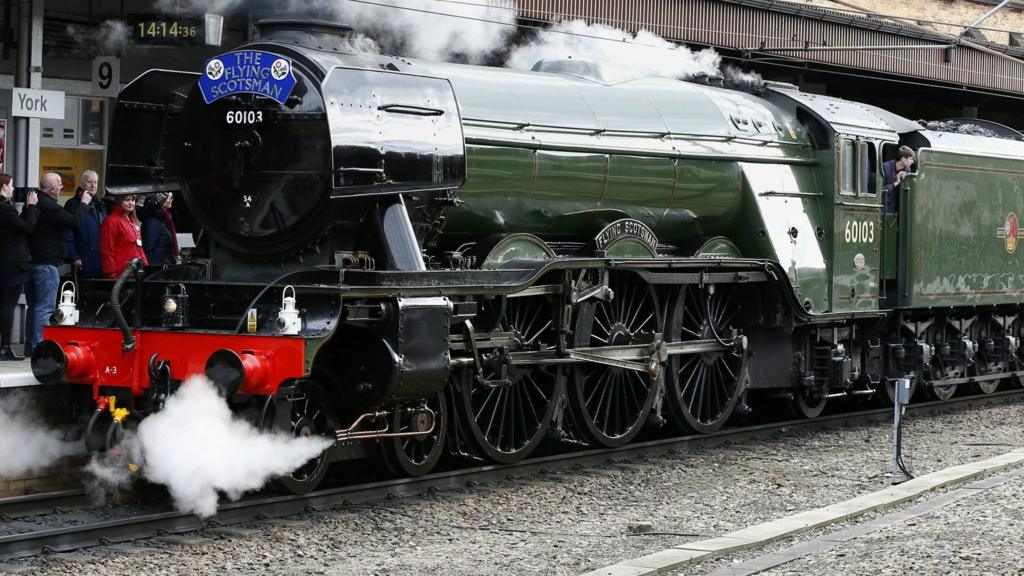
point(199, 449)
point(623, 56)
point(25, 443)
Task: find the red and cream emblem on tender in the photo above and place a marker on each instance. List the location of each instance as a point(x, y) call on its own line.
point(1009, 232)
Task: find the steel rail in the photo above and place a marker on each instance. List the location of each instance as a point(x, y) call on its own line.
point(145, 525)
point(42, 503)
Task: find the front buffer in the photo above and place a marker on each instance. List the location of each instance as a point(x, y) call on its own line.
point(239, 364)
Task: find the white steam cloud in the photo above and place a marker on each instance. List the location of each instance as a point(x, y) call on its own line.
point(621, 55)
point(740, 76)
point(198, 449)
point(197, 6)
point(468, 32)
point(25, 444)
point(109, 39)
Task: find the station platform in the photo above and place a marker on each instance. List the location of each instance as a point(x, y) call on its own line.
point(17, 374)
point(930, 493)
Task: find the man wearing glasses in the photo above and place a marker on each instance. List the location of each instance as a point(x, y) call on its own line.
point(46, 244)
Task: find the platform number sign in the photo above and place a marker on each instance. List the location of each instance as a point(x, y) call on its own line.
point(106, 76)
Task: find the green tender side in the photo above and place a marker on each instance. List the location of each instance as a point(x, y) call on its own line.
point(955, 232)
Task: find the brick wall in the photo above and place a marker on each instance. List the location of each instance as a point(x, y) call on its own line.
point(63, 476)
point(957, 12)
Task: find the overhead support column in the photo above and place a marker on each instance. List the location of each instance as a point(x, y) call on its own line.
point(28, 74)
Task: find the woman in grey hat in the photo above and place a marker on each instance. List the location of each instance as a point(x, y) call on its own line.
point(159, 239)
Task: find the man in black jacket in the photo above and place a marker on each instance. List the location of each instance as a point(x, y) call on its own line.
point(46, 244)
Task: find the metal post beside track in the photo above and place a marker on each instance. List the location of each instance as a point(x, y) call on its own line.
point(901, 399)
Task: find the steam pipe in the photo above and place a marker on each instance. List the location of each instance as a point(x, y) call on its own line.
point(350, 433)
point(401, 248)
point(115, 304)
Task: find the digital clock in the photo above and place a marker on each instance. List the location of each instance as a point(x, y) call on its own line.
point(165, 29)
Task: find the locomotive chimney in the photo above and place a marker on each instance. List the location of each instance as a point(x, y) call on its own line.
point(315, 34)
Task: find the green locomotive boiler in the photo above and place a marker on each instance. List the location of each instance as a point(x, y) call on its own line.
point(414, 257)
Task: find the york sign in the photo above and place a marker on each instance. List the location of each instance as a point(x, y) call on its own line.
point(37, 103)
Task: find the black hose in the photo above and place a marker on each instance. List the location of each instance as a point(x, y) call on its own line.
point(115, 304)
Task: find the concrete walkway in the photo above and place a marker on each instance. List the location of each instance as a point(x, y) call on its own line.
point(16, 374)
point(762, 534)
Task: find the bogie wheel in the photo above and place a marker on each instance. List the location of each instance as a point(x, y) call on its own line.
point(609, 405)
point(702, 389)
point(1017, 355)
point(986, 362)
point(506, 409)
point(942, 366)
point(807, 403)
point(887, 390)
point(417, 454)
point(307, 417)
point(886, 387)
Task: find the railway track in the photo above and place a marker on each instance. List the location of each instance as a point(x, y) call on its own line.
point(67, 521)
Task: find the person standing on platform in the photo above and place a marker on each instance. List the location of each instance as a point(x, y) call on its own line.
point(15, 261)
point(46, 244)
point(83, 243)
point(120, 238)
point(159, 238)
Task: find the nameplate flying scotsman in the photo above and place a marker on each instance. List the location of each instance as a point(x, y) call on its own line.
point(247, 71)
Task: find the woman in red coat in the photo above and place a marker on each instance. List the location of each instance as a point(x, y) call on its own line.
point(120, 238)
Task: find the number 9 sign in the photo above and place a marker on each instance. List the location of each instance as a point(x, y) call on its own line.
point(106, 76)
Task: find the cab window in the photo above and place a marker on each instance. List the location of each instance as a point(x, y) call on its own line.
point(868, 169)
point(848, 160)
point(859, 161)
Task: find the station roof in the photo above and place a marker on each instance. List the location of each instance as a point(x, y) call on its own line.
point(776, 30)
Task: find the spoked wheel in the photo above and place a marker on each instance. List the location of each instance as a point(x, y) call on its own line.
point(308, 417)
point(943, 365)
point(507, 408)
point(609, 404)
point(703, 388)
point(426, 428)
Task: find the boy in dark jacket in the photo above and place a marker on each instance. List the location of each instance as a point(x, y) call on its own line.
point(83, 243)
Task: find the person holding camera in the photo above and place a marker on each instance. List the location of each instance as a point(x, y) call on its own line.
point(14, 258)
point(46, 244)
point(83, 242)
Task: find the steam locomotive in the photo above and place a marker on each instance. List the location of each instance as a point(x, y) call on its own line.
point(414, 258)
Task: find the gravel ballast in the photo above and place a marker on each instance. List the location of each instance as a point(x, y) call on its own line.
point(576, 522)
